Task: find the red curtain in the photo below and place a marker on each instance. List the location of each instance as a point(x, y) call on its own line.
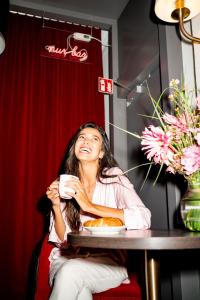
point(42, 102)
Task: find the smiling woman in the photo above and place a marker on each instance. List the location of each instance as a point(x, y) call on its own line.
point(101, 192)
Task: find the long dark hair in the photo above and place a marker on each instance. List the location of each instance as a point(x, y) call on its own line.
point(71, 166)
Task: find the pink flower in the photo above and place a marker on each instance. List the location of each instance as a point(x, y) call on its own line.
point(170, 169)
point(178, 122)
point(156, 144)
point(191, 159)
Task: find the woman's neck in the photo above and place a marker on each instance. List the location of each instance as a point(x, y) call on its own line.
point(88, 173)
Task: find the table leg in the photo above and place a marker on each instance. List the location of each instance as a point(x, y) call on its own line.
point(152, 268)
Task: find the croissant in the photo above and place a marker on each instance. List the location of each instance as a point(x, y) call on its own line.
point(103, 222)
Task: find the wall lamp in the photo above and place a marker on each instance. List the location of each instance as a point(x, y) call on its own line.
point(173, 11)
point(4, 11)
point(2, 43)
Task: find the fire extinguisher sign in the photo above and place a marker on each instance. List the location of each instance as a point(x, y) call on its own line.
point(105, 85)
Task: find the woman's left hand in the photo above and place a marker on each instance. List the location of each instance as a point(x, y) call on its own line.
point(80, 195)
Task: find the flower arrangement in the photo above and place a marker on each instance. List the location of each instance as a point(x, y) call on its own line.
point(175, 143)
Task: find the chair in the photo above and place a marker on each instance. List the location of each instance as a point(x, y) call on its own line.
point(130, 291)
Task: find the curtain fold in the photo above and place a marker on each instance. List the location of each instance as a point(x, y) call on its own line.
point(43, 100)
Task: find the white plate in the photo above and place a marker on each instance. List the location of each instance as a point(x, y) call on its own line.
point(105, 230)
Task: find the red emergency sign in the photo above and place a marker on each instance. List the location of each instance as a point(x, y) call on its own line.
point(105, 85)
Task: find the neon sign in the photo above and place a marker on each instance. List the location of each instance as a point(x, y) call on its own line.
point(81, 55)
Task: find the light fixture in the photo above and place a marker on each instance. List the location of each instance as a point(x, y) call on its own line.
point(85, 38)
point(2, 43)
point(4, 12)
point(82, 37)
point(173, 11)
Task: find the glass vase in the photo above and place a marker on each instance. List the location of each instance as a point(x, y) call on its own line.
point(190, 206)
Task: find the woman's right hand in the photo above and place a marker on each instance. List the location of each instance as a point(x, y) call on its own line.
point(52, 193)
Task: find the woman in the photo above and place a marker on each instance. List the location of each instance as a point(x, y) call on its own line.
point(101, 190)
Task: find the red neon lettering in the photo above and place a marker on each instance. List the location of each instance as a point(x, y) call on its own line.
point(81, 54)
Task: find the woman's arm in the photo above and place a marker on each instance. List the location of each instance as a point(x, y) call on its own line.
point(105, 211)
point(59, 224)
point(130, 208)
point(136, 214)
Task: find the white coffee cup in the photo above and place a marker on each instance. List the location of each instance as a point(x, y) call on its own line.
point(63, 188)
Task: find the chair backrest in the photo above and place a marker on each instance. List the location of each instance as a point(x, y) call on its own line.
point(42, 281)
point(130, 291)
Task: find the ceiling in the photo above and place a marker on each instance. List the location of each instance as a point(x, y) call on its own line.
point(91, 9)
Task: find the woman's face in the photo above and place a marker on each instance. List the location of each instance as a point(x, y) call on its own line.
point(89, 145)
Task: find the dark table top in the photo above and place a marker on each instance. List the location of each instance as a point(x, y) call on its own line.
point(138, 239)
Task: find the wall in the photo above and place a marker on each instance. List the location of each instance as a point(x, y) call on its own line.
point(191, 55)
point(139, 66)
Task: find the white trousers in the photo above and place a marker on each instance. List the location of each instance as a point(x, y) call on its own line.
point(79, 278)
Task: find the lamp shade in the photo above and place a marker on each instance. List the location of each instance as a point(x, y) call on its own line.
point(4, 12)
point(2, 43)
point(164, 9)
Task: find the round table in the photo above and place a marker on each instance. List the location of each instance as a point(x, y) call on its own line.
point(146, 240)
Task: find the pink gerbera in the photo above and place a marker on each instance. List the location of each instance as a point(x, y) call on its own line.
point(191, 159)
point(156, 144)
point(178, 122)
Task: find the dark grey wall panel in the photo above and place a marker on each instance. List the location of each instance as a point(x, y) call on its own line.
point(139, 64)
